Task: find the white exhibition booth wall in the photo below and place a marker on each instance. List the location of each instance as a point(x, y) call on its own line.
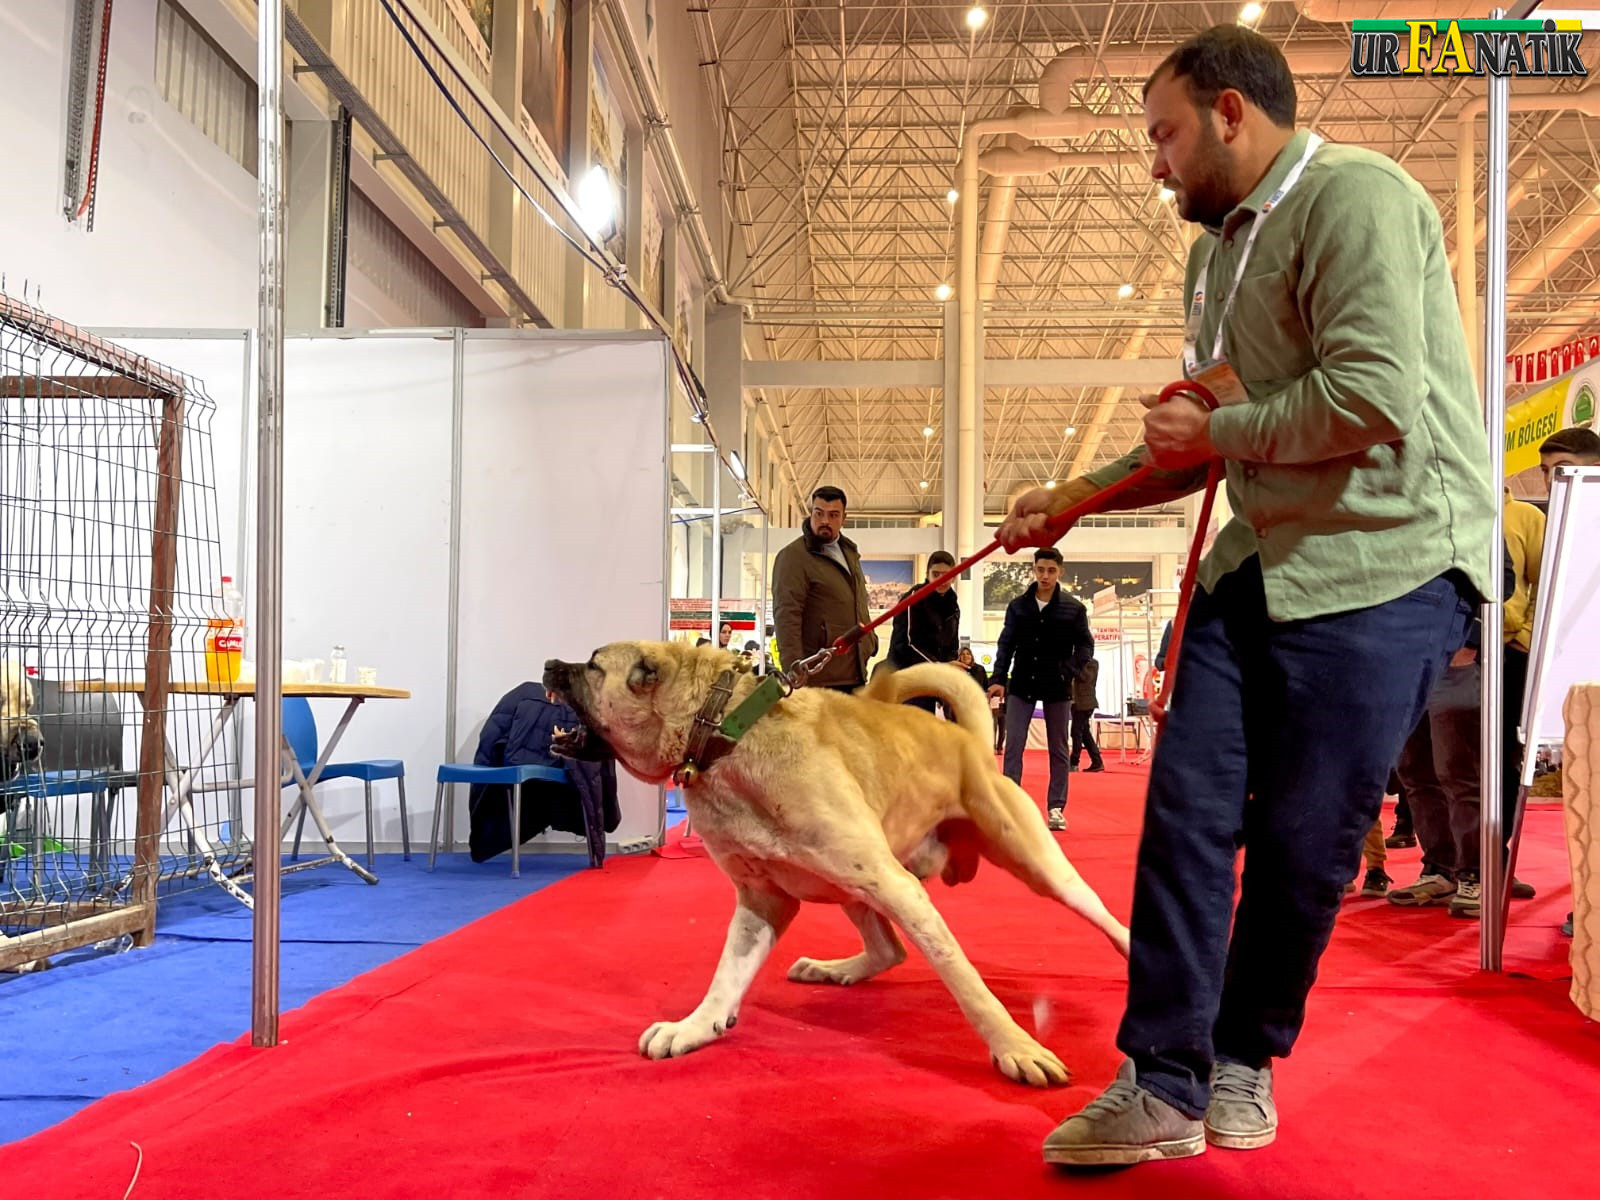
point(558, 477)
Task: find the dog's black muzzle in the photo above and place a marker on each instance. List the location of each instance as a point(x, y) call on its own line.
point(583, 743)
point(558, 677)
point(23, 746)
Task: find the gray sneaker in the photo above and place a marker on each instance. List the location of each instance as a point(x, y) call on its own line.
point(1241, 1115)
point(1121, 1126)
point(1429, 889)
point(1468, 900)
point(1057, 819)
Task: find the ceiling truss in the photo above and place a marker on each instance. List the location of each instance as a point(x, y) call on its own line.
point(841, 132)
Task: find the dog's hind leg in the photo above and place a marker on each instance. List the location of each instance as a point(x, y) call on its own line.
point(896, 893)
point(1015, 838)
point(881, 949)
point(758, 923)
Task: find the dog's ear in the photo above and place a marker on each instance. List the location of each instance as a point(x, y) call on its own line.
point(643, 677)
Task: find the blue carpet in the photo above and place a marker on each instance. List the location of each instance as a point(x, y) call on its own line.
point(100, 1023)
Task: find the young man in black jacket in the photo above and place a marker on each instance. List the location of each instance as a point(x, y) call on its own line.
point(1044, 645)
point(930, 630)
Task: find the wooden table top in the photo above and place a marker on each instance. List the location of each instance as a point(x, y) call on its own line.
point(203, 687)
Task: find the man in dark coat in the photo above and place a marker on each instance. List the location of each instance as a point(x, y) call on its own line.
point(1084, 701)
point(819, 593)
point(930, 630)
point(1044, 645)
point(518, 733)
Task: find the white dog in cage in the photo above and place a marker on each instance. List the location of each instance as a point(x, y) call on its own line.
point(20, 742)
point(20, 747)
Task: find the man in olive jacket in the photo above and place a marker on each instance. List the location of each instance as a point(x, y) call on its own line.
point(819, 593)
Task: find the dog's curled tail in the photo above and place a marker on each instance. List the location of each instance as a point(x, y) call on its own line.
point(945, 682)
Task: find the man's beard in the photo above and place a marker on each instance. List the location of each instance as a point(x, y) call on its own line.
point(1207, 198)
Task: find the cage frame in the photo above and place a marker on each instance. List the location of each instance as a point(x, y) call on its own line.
point(130, 376)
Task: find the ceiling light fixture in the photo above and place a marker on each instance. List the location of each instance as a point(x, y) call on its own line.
point(1166, 195)
point(922, 483)
point(736, 465)
point(943, 292)
point(927, 431)
point(952, 195)
point(976, 18)
point(1251, 13)
point(1071, 429)
point(1125, 291)
point(1049, 483)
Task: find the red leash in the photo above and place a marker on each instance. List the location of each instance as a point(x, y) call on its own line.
point(1191, 570)
point(1058, 525)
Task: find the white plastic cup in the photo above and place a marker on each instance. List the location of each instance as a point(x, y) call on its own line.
point(367, 676)
point(314, 670)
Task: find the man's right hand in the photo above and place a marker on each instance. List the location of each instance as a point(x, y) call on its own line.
point(1026, 523)
point(997, 691)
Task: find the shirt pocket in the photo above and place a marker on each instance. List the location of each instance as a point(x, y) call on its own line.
point(1267, 341)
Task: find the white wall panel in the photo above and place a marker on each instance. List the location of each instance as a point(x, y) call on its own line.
point(563, 515)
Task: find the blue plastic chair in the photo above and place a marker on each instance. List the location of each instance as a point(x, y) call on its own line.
point(300, 731)
point(38, 788)
point(513, 777)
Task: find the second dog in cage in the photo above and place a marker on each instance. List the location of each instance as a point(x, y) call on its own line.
point(20, 743)
point(20, 747)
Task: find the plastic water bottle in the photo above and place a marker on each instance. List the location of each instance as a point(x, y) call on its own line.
point(225, 633)
point(336, 665)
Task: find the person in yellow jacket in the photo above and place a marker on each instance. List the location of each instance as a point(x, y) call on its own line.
point(1524, 537)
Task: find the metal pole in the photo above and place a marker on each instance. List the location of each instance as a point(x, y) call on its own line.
point(761, 612)
point(716, 546)
point(1150, 629)
point(269, 525)
point(452, 654)
point(969, 404)
point(1125, 717)
point(1491, 872)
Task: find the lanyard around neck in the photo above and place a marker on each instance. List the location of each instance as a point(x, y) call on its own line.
point(1197, 306)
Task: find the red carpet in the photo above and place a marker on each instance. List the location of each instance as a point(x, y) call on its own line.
point(499, 1061)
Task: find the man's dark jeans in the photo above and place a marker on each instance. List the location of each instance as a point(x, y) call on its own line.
point(1057, 722)
point(1280, 739)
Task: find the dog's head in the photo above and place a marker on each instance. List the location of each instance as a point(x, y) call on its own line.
point(640, 698)
point(20, 741)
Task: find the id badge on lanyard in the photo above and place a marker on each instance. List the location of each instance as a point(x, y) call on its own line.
point(1215, 373)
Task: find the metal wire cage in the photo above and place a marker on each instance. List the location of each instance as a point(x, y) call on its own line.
point(109, 560)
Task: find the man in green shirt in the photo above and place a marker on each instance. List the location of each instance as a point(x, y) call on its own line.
point(1357, 472)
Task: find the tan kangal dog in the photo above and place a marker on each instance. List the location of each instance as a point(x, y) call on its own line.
point(835, 799)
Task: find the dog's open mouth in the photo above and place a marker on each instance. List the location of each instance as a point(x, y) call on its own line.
point(569, 743)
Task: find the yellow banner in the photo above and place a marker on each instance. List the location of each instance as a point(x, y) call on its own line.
point(1570, 400)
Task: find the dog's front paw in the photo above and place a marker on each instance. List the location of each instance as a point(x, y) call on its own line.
point(669, 1039)
point(1023, 1060)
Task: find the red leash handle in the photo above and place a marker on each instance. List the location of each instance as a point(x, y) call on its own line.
point(1058, 525)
